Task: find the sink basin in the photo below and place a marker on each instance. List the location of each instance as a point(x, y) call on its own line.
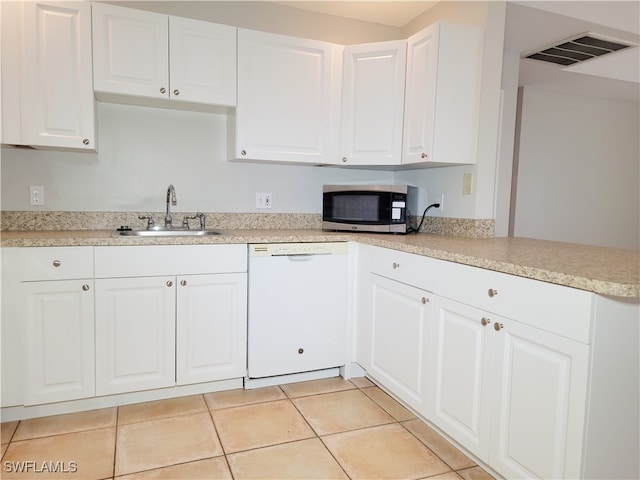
point(166, 233)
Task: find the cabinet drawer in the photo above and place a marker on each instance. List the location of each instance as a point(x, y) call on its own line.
point(158, 260)
point(554, 308)
point(403, 267)
point(56, 263)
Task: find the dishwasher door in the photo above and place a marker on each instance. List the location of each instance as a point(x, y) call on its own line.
point(297, 308)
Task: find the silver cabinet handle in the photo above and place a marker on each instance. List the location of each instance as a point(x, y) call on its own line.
point(163, 90)
point(344, 159)
point(85, 288)
point(243, 152)
point(183, 283)
point(424, 155)
point(85, 141)
point(498, 326)
point(301, 351)
point(176, 92)
point(492, 292)
point(396, 265)
point(485, 321)
point(169, 283)
point(425, 300)
point(56, 263)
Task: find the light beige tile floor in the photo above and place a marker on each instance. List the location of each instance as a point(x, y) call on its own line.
point(323, 429)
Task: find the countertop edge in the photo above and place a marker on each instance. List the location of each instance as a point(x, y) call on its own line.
point(400, 243)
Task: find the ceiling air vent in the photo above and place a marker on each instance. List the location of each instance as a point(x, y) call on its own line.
point(577, 49)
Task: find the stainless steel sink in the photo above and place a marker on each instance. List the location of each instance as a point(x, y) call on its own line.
point(166, 233)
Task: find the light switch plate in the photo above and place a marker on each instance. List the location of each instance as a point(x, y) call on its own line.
point(467, 184)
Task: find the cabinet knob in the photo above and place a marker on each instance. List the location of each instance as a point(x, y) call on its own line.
point(498, 326)
point(301, 351)
point(183, 283)
point(163, 90)
point(169, 283)
point(243, 152)
point(344, 159)
point(492, 292)
point(424, 155)
point(85, 288)
point(485, 321)
point(176, 92)
point(396, 265)
point(425, 300)
point(85, 141)
point(56, 263)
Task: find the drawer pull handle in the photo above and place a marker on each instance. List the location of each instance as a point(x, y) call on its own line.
point(56, 263)
point(301, 351)
point(169, 283)
point(183, 283)
point(492, 292)
point(85, 288)
point(425, 300)
point(498, 326)
point(485, 321)
point(396, 265)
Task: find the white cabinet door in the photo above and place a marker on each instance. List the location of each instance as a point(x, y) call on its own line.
point(442, 94)
point(372, 103)
point(288, 99)
point(400, 316)
point(11, 44)
point(135, 334)
point(130, 51)
point(539, 403)
point(460, 377)
point(202, 61)
point(56, 89)
point(211, 327)
point(59, 341)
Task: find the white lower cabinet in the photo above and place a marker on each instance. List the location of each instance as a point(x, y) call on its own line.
point(135, 334)
point(211, 327)
point(512, 394)
point(59, 341)
point(169, 315)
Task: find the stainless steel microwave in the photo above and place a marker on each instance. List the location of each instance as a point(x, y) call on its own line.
point(369, 208)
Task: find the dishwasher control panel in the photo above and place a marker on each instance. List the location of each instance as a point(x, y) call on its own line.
point(278, 249)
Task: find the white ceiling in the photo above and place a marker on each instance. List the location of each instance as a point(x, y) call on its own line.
point(394, 13)
point(534, 25)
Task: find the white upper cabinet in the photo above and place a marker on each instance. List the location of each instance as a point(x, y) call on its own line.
point(159, 57)
point(288, 99)
point(372, 103)
point(442, 95)
point(47, 75)
point(202, 61)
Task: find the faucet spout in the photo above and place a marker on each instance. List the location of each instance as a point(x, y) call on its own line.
point(171, 200)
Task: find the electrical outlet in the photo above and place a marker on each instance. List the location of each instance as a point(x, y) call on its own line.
point(36, 195)
point(263, 200)
point(441, 207)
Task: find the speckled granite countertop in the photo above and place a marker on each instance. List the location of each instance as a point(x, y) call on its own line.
point(600, 270)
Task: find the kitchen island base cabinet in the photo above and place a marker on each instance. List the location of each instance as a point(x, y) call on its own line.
point(399, 338)
point(512, 394)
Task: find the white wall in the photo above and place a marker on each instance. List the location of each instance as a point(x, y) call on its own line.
point(578, 170)
point(142, 150)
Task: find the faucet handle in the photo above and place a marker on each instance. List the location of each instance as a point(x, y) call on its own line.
point(202, 218)
point(185, 220)
point(150, 222)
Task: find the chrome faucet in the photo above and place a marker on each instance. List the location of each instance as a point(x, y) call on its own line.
point(171, 197)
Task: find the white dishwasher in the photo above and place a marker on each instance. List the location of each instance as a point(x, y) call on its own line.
point(297, 308)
